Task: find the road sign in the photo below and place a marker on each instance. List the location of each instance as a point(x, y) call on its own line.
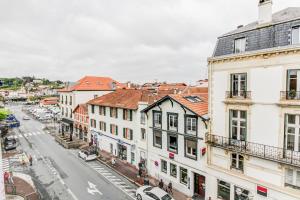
point(92, 189)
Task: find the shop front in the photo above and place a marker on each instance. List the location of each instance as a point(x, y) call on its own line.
point(199, 186)
point(122, 152)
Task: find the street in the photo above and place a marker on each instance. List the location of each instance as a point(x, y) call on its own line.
point(59, 173)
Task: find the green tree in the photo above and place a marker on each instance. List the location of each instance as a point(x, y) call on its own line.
point(3, 113)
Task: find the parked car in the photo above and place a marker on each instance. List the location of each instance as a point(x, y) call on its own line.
point(10, 143)
point(152, 193)
point(87, 155)
point(26, 118)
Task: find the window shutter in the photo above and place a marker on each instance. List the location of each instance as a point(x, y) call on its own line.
point(124, 113)
point(110, 128)
point(130, 115)
point(124, 135)
point(104, 110)
point(91, 122)
point(116, 130)
point(104, 126)
point(131, 134)
point(116, 112)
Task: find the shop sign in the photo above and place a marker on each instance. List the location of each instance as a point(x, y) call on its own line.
point(263, 191)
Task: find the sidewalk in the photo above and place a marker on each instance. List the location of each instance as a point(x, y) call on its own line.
point(130, 172)
point(23, 189)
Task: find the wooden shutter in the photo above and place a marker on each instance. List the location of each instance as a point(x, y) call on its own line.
point(130, 115)
point(116, 112)
point(111, 128)
point(104, 126)
point(110, 112)
point(124, 114)
point(131, 134)
point(116, 129)
point(104, 110)
point(124, 132)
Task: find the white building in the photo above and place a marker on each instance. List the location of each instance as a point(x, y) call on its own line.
point(118, 126)
point(177, 125)
point(254, 140)
point(87, 88)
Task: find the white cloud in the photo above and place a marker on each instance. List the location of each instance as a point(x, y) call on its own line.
point(128, 40)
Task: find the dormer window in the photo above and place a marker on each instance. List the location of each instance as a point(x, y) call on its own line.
point(296, 35)
point(239, 45)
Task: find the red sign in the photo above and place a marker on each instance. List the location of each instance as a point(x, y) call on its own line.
point(171, 155)
point(262, 191)
point(156, 163)
point(203, 151)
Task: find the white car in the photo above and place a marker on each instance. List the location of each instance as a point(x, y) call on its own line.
point(87, 155)
point(152, 193)
point(26, 118)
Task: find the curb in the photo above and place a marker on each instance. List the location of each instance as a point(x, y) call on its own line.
point(129, 179)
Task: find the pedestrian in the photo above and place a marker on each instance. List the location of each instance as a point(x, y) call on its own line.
point(30, 160)
point(161, 184)
point(113, 161)
point(170, 188)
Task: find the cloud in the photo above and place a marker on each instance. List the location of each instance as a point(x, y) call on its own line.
point(138, 40)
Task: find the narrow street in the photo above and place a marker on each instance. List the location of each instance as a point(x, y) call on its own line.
point(58, 173)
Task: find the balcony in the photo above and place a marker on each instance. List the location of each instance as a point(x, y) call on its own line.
point(238, 97)
point(266, 152)
point(290, 98)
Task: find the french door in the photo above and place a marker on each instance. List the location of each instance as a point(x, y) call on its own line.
point(292, 132)
point(293, 84)
point(238, 125)
point(238, 84)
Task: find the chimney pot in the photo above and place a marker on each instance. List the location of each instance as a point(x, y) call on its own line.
point(265, 11)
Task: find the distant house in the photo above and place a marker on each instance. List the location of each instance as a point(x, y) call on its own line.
point(81, 122)
point(50, 101)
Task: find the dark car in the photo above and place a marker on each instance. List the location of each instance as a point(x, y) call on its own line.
point(10, 143)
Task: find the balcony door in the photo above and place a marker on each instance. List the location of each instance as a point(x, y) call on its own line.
point(238, 125)
point(292, 132)
point(238, 84)
point(293, 84)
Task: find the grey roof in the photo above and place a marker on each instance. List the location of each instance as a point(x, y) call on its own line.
point(259, 37)
point(288, 14)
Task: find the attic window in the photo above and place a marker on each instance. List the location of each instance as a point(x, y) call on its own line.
point(193, 99)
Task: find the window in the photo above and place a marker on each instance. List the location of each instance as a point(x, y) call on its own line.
point(164, 166)
point(238, 125)
point(172, 143)
point(93, 109)
point(127, 114)
point(223, 190)
point(292, 178)
point(93, 123)
point(114, 112)
point(127, 133)
point(62, 111)
point(293, 84)
point(157, 138)
point(67, 113)
point(238, 85)
point(191, 124)
point(143, 118)
point(240, 193)
point(193, 99)
point(102, 110)
point(239, 45)
point(143, 134)
point(173, 122)
point(237, 161)
point(114, 129)
point(157, 119)
point(66, 99)
point(183, 175)
point(173, 170)
point(132, 158)
point(292, 132)
point(71, 113)
point(191, 148)
point(70, 100)
point(102, 126)
point(295, 35)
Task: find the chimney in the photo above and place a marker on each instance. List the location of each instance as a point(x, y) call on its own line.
point(265, 11)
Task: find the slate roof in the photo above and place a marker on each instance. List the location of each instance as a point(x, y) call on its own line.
point(259, 37)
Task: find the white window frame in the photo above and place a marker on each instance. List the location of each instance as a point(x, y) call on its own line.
point(236, 122)
point(190, 155)
point(292, 179)
point(192, 121)
point(237, 158)
point(295, 35)
point(296, 134)
point(240, 45)
point(157, 119)
point(173, 122)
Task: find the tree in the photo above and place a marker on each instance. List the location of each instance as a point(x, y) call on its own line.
point(3, 114)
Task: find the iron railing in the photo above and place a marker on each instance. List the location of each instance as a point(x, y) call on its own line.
point(266, 152)
point(238, 94)
point(290, 95)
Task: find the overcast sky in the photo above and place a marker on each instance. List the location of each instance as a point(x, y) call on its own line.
point(138, 40)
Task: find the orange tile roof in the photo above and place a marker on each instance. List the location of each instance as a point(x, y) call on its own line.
point(200, 108)
point(93, 83)
point(83, 106)
point(125, 98)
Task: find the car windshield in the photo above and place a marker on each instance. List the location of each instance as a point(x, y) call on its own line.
point(166, 197)
point(148, 189)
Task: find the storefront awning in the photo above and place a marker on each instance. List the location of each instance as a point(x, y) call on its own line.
point(66, 121)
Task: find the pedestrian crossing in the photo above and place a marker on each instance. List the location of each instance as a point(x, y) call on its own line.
point(5, 165)
point(29, 134)
point(130, 190)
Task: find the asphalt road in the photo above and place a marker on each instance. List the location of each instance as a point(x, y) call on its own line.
point(59, 174)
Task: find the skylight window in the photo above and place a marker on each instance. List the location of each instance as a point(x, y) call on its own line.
point(193, 99)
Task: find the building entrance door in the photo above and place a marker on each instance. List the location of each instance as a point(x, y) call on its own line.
point(199, 186)
point(122, 152)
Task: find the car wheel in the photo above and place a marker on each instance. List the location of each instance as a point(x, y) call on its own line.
point(139, 197)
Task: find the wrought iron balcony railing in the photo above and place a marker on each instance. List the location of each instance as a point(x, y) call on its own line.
point(238, 94)
point(266, 152)
point(290, 95)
